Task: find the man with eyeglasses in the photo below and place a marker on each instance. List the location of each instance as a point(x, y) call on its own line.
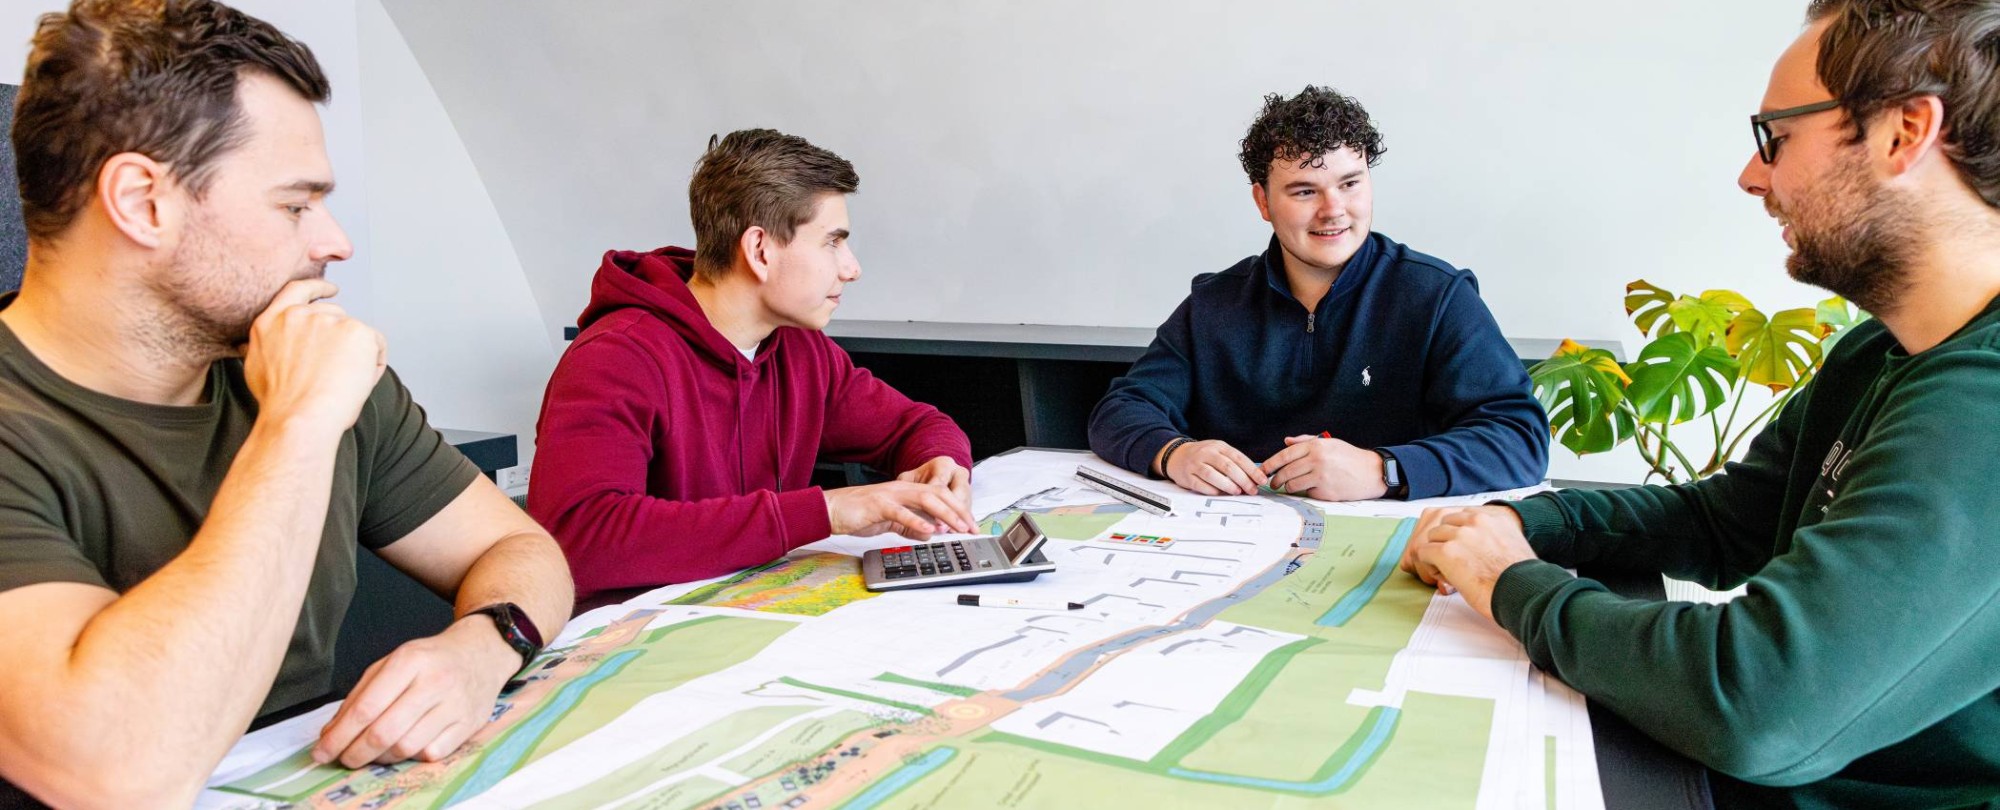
point(1862, 666)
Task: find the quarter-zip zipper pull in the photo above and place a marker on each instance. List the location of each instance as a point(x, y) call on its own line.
point(1309, 323)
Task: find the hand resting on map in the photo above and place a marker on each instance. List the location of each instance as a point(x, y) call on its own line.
point(422, 701)
point(1464, 550)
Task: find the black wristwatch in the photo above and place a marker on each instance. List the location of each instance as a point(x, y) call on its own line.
point(1392, 476)
point(515, 628)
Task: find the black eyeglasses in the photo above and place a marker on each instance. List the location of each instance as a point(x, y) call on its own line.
point(1760, 125)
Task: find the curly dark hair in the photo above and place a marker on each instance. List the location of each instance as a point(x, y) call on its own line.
point(1304, 128)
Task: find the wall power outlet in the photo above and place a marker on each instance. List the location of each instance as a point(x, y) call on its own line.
point(513, 480)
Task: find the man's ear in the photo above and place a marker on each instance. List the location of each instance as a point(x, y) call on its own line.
point(1915, 128)
point(1262, 199)
point(134, 192)
point(756, 245)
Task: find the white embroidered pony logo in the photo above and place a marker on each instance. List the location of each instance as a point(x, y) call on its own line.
point(1365, 379)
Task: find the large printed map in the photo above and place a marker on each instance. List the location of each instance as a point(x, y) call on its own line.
point(1272, 656)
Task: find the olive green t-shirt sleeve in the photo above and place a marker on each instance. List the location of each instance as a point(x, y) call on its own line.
point(34, 546)
point(408, 472)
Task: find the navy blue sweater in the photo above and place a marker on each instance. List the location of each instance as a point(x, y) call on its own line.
point(1400, 355)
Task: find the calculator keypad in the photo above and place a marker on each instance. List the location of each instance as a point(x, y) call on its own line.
point(930, 559)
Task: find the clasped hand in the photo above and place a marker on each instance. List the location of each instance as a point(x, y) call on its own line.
point(1464, 550)
point(1314, 467)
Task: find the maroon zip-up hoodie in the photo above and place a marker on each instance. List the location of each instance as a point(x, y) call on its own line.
point(665, 456)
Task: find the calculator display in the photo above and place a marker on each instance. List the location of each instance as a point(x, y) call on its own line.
point(1019, 540)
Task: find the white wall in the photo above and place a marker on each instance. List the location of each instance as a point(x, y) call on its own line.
point(433, 269)
point(463, 327)
point(1025, 161)
point(329, 29)
point(1074, 162)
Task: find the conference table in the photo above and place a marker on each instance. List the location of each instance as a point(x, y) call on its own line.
point(1633, 771)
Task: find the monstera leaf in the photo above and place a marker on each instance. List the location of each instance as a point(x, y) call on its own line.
point(1580, 388)
point(1707, 318)
point(1647, 306)
point(1835, 316)
point(1675, 380)
point(1777, 352)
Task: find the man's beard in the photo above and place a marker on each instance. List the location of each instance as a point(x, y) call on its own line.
point(1854, 237)
point(210, 298)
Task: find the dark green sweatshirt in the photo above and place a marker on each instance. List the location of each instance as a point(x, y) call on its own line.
point(1862, 668)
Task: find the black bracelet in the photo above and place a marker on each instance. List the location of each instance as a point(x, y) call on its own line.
point(1168, 454)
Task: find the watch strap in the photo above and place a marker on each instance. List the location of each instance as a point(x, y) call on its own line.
point(1392, 475)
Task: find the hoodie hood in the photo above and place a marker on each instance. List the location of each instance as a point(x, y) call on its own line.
point(657, 283)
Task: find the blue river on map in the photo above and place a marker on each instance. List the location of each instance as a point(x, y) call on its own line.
point(505, 757)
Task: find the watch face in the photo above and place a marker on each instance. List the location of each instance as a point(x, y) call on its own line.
point(1392, 474)
point(506, 617)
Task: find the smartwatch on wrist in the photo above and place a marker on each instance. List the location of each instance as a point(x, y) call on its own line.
point(515, 628)
point(1392, 476)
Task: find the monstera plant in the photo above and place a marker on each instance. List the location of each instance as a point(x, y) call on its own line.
point(1704, 352)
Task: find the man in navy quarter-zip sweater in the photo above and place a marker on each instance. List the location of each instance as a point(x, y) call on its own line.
point(1338, 364)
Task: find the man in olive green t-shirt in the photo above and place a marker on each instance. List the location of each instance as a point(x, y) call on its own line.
point(1861, 668)
point(193, 440)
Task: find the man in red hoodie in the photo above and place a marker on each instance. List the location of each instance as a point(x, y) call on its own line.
point(679, 432)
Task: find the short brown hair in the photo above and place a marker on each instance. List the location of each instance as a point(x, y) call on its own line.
point(155, 77)
point(762, 178)
point(1876, 54)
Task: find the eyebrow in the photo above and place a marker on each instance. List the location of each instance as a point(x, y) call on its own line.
point(319, 188)
point(1299, 184)
point(838, 233)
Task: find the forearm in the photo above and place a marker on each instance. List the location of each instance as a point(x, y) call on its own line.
point(624, 540)
point(1705, 532)
point(527, 569)
point(876, 425)
point(1147, 407)
point(1498, 449)
point(1716, 531)
point(934, 435)
point(1131, 432)
point(198, 644)
point(1784, 686)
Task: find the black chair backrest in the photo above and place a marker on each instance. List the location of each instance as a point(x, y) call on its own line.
point(13, 234)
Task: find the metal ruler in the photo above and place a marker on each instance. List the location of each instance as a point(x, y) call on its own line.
point(1149, 501)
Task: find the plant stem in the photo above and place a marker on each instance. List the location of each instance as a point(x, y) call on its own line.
point(1736, 401)
point(1639, 442)
point(1758, 420)
point(1668, 445)
point(1716, 426)
point(1655, 456)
